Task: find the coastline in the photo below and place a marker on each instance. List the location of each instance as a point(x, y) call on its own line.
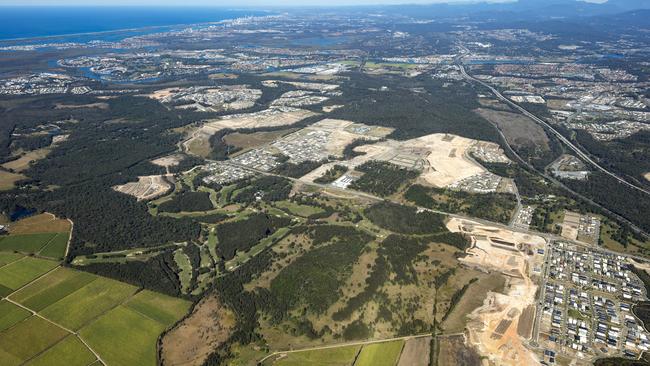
point(147, 29)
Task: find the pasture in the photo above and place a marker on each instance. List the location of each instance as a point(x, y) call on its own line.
point(11, 314)
point(52, 288)
point(70, 352)
point(26, 243)
point(119, 322)
point(330, 357)
point(8, 180)
point(41, 234)
point(23, 271)
point(123, 336)
point(8, 257)
point(164, 309)
point(55, 249)
point(41, 223)
point(87, 303)
point(380, 354)
point(27, 339)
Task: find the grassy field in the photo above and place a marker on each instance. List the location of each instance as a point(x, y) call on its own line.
point(41, 223)
point(325, 357)
point(27, 339)
point(185, 274)
point(11, 314)
point(56, 247)
point(24, 161)
point(250, 140)
point(26, 243)
point(164, 309)
point(380, 354)
point(8, 257)
point(121, 324)
point(106, 336)
point(70, 352)
point(52, 288)
point(85, 304)
point(8, 180)
point(299, 210)
point(23, 271)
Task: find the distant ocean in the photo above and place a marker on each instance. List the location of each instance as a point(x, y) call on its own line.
point(35, 22)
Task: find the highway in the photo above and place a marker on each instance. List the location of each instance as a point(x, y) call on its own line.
point(560, 137)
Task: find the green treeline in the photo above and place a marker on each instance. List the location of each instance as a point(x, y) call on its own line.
point(382, 178)
point(267, 188)
point(241, 235)
point(187, 201)
point(332, 174)
point(404, 219)
point(490, 206)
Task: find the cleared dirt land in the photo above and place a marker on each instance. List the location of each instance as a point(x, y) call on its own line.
point(416, 352)
point(518, 129)
point(440, 157)
point(255, 139)
point(191, 341)
point(493, 328)
point(199, 142)
point(453, 351)
point(147, 187)
point(472, 299)
point(167, 161)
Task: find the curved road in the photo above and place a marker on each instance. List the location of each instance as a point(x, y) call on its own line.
point(549, 127)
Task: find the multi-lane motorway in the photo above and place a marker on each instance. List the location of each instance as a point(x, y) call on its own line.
point(560, 137)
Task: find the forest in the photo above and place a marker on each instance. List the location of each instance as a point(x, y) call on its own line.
point(382, 178)
point(497, 207)
point(241, 235)
point(405, 219)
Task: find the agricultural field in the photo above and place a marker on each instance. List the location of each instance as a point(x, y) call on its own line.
point(387, 353)
point(41, 223)
point(11, 314)
point(21, 272)
point(338, 356)
point(42, 234)
point(27, 339)
point(70, 352)
point(102, 310)
point(380, 354)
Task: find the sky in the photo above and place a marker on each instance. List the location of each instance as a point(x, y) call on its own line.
point(224, 3)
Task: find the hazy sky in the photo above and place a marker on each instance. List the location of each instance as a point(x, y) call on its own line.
point(228, 3)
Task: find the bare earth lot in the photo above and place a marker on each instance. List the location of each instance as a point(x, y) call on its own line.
point(147, 187)
point(454, 351)
point(199, 143)
point(415, 352)
point(494, 328)
point(518, 129)
point(191, 341)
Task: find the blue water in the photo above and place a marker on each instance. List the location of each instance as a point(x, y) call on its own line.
point(32, 22)
point(21, 213)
